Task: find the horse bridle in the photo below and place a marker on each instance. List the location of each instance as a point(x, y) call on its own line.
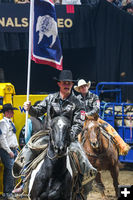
point(55, 156)
point(84, 139)
point(85, 130)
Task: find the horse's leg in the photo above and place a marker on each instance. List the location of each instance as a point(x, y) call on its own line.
point(115, 173)
point(36, 190)
point(99, 185)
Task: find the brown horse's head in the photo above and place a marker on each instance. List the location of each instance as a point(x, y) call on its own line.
point(92, 131)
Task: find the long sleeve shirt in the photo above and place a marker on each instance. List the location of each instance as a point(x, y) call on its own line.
point(55, 106)
point(8, 137)
point(91, 102)
point(34, 125)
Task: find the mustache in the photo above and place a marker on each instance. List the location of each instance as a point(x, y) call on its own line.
point(67, 88)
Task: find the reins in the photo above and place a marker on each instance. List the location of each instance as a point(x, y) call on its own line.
point(55, 156)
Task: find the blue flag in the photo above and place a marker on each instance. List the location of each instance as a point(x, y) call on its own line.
point(46, 44)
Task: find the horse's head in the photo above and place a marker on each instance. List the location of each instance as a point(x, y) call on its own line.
point(93, 133)
point(60, 134)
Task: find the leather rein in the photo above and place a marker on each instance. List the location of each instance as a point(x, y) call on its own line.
point(55, 156)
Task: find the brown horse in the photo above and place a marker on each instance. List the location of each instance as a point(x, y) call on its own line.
point(101, 152)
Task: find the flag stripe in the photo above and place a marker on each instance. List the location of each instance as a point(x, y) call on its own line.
point(48, 62)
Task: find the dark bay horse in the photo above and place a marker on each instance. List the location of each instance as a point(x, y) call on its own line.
point(53, 180)
point(101, 152)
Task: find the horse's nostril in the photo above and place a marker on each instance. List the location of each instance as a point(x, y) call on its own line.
point(58, 149)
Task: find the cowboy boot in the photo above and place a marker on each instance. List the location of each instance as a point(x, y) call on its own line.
point(88, 172)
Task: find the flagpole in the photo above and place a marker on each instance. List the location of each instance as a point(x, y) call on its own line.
point(29, 60)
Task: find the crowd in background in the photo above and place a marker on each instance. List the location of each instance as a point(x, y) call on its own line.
point(126, 5)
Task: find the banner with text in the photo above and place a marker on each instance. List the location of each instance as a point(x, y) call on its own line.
point(15, 17)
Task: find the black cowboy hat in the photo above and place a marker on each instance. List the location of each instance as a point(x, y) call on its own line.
point(65, 75)
point(7, 107)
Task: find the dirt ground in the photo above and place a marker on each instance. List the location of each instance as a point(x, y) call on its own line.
point(125, 178)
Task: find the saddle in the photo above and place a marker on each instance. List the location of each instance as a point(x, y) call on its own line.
point(26, 173)
point(36, 145)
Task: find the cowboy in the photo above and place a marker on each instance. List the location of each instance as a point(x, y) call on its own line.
point(92, 107)
point(64, 103)
point(8, 148)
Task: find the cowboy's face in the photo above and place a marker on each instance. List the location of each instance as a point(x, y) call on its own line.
point(65, 87)
point(9, 113)
point(83, 89)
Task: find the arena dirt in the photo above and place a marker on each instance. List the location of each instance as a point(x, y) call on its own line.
point(125, 178)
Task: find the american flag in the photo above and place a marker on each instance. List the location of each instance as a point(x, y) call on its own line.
point(46, 47)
